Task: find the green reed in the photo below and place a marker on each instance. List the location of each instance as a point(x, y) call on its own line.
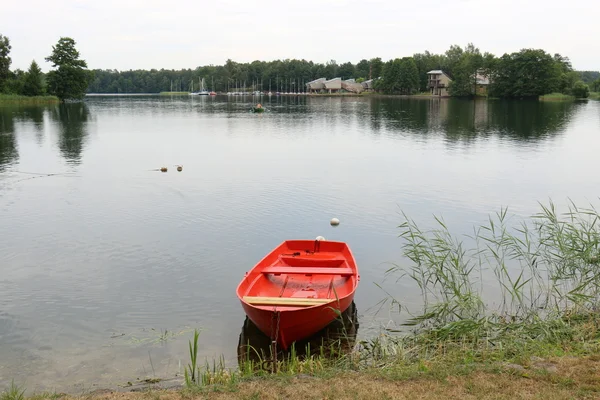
point(14, 392)
point(546, 270)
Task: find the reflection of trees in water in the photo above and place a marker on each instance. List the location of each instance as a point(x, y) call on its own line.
point(339, 335)
point(527, 120)
point(33, 114)
point(72, 120)
point(467, 119)
point(8, 143)
point(402, 114)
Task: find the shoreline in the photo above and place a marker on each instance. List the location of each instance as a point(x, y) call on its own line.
point(28, 100)
point(550, 377)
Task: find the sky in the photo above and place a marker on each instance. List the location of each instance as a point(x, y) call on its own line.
point(175, 34)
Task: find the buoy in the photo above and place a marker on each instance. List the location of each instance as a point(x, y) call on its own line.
point(163, 169)
point(180, 168)
point(320, 238)
point(334, 222)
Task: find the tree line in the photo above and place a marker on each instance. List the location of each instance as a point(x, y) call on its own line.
point(526, 73)
point(69, 78)
point(522, 74)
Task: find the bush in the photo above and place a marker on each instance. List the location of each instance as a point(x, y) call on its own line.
point(580, 90)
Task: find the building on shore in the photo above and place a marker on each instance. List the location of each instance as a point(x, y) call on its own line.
point(333, 85)
point(368, 85)
point(350, 85)
point(316, 86)
point(438, 82)
point(482, 83)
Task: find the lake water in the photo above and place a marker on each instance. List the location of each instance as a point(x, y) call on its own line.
point(99, 260)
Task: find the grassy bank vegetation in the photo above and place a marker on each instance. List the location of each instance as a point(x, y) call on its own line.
point(173, 93)
point(595, 95)
point(557, 97)
point(18, 99)
point(510, 311)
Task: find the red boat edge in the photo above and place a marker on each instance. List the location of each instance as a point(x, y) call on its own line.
point(299, 288)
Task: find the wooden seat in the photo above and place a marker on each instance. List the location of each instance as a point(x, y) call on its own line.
point(308, 271)
point(285, 301)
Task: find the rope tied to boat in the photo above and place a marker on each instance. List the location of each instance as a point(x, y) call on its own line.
point(274, 324)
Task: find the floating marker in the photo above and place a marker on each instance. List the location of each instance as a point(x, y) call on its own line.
point(163, 169)
point(180, 168)
point(334, 222)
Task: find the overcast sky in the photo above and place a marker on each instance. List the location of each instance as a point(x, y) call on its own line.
point(145, 34)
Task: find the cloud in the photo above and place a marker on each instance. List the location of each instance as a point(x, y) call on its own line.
point(132, 34)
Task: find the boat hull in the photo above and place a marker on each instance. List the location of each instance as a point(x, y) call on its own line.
point(295, 325)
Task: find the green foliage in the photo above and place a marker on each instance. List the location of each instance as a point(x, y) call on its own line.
point(399, 76)
point(589, 77)
point(596, 85)
point(15, 82)
point(71, 79)
point(580, 90)
point(545, 270)
point(465, 68)
point(362, 70)
point(18, 99)
point(529, 73)
point(376, 66)
point(190, 372)
point(5, 62)
point(32, 85)
point(346, 71)
point(14, 392)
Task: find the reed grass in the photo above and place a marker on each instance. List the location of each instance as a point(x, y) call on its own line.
point(546, 270)
point(27, 100)
point(14, 392)
point(557, 97)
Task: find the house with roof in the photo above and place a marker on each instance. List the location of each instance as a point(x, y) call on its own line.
point(368, 85)
point(333, 85)
point(316, 85)
point(482, 83)
point(438, 82)
point(350, 85)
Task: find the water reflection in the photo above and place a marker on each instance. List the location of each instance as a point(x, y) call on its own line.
point(464, 120)
point(8, 143)
point(339, 335)
point(72, 119)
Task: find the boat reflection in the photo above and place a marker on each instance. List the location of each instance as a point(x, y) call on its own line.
point(338, 336)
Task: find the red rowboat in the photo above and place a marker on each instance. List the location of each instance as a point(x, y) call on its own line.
point(299, 288)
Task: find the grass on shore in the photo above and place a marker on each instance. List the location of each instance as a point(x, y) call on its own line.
point(541, 339)
point(173, 93)
point(595, 95)
point(18, 99)
point(557, 97)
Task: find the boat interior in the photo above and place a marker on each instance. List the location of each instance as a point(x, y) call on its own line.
point(301, 274)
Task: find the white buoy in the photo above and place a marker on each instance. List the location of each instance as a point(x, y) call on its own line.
point(334, 222)
point(320, 238)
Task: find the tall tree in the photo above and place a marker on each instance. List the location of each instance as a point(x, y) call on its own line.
point(71, 78)
point(32, 85)
point(465, 69)
point(4, 61)
point(346, 70)
point(362, 69)
point(527, 73)
point(375, 68)
point(409, 75)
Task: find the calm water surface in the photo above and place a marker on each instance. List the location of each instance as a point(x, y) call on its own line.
point(98, 261)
